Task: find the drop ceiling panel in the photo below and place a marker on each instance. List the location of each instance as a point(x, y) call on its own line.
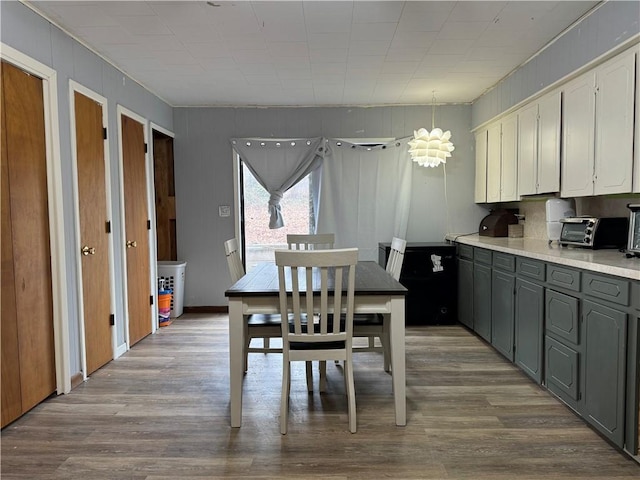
point(315, 52)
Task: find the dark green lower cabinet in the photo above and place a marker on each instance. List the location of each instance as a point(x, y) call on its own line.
point(482, 301)
point(529, 328)
point(603, 365)
point(562, 371)
point(502, 309)
point(465, 292)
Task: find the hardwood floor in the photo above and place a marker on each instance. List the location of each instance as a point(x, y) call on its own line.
point(161, 411)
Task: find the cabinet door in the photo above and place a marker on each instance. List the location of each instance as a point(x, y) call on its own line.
point(465, 291)
point(549, 143)
point(509, 159)
point(578, 131)
point(636, 154)
point(481, 167)
point(604, 343)
point(529, 330)
point(482, 301)
point(561, 371)
point(493, 162)
point(528, 150)
point(502, 310)
point(614, 125)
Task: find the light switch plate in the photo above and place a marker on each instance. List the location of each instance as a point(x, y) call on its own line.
point(224, 210)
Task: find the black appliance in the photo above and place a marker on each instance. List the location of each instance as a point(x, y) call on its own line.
point(430, 275)
point(593, 232)
point(496, 224)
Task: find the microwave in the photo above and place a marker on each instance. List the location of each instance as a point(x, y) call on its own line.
point(593, 232)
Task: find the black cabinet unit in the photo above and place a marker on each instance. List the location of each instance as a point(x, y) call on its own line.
point(429, 272)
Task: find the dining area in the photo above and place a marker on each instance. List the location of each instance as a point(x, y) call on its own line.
point(300, 295)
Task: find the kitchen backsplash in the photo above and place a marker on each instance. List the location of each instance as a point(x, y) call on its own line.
point(534, 211)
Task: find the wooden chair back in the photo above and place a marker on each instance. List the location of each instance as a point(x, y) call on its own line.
point(312, 275)
point(318, 241)
point(396, 257)
point(236, 269)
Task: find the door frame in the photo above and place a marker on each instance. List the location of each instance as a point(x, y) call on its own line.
point(153, 246)
point(59, 276)
point(77, 87)
point(153, 312)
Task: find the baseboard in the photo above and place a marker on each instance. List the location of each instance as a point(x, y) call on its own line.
point(207, 309)
point(76, 380)
point(121, 350)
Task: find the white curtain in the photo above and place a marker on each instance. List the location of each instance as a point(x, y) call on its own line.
point(278, 164)
point(365, 194)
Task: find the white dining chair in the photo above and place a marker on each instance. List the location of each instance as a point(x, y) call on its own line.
point(374, 326)
point(262, 326)
point(313, 241)
point(309, 275)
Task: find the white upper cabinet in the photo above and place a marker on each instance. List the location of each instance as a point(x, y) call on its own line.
point(481, 167)
point(493, 162)
point(636, 157)
point(509, 159)
point(502, 160)
point(539, 146)
point(598, 130)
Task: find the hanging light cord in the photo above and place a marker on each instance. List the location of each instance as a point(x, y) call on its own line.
point(444, 165)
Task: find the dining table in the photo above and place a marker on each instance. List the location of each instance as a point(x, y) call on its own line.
point(375, 292)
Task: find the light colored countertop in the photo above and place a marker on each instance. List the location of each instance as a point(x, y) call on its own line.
point(609, 261)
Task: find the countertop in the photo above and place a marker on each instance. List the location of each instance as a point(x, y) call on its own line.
point(608, 261)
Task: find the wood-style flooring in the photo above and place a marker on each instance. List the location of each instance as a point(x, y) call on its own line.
point(161, 412)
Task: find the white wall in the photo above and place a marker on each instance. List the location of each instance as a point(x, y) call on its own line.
point(203, 172)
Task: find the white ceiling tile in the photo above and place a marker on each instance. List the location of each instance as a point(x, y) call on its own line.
point(317, 52)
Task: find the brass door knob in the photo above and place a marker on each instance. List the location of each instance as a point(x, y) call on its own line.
point(132, 244)
point(86, 250)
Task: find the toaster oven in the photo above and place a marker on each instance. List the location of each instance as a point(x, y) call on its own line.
point(593, 232)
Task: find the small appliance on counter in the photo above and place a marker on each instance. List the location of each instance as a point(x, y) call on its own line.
point(556, 209)
point(593, 232)
point(496, 224)
point(633, 243)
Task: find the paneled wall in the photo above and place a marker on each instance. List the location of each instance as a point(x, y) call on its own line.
point(203, 174)
point(37, 38)
point(612, 24)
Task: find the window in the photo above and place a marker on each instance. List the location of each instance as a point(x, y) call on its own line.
point(259, 240)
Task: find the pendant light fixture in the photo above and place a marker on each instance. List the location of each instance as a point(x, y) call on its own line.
point(431, 148)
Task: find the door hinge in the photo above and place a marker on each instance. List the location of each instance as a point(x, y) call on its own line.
point(146, 148)
point(104, 133)
point(108, 226)
point(112, 319)
point(148, 224)
point(150, 299)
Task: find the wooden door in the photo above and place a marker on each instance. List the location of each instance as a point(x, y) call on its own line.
point(481, 167)
point(165, 196)
point(94, 236)
point(494, 133)
point(136, 229)
point(509, 159)
point(28, 354)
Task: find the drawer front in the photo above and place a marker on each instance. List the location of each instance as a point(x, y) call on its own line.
point(561, 316)
point(465, 251)
point(530, 268)
point(561, 370)
point(504, 261)
point(481, 255)
point(563, 277)
point(615, 290)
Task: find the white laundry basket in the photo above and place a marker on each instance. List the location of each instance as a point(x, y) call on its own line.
point(172, 272)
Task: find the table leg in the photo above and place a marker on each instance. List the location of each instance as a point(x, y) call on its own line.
point(398, 359)
point(236, 359)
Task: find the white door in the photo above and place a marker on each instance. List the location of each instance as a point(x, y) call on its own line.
point(614, 125)
point(549, 143)
point(493, 163)
point(509, 159)
point(481, 167)
point(528, 150)
point(578, 131)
